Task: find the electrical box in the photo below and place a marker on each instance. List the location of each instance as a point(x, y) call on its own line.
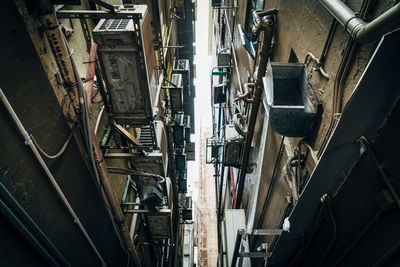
point(232, 153)
point(219, 93)
point(126, 54)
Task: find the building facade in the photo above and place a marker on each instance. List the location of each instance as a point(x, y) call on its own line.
point(96, 116)
point(297, 144)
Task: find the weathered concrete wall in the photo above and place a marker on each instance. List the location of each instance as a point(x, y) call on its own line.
point(25, 83)
point(303, 27)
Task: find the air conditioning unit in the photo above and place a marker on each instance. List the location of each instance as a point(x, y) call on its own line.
point(216, 3)
point(182, 66)
point(125, 51)
point(190, 151)
point(175, 92)
point(187, 210)
point(153, 161)
point(178, 3)
point(182, 182)
point(186, 121)
point(179, 130)
point(224, 57)
point(180, 163)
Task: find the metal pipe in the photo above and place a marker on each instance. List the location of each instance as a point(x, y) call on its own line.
point(360, 30)
point(238, 121)
point(298, 260)
point(28, 141)
point(248, 87)
point(318, 66)
point(269, 192)
point(340, 79)
point(329, 212)
point(27, 227)
point(220, 214)
point(7, 212)
point(236, 248)
point(267, 28)
point(99, 119)
point(135, 172)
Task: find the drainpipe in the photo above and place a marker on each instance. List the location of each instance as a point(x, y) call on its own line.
point(265, 25)
point(360, 30)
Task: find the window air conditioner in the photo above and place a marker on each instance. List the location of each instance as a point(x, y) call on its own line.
point(127, 58)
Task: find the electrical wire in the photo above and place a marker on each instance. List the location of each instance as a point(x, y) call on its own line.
point(58, 154)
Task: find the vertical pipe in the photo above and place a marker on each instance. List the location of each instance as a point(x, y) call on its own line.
point(267, 27)
point(219, 216)
point(236, 248)
point(269, 193)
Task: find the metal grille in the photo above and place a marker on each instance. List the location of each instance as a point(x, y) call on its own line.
point(147, 136)
point(114, 24)
point(105, 24)
point(123, 24)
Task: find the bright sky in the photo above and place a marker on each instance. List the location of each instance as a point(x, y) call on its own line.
point(202, 83)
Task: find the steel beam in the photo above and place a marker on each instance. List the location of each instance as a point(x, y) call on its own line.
point(98, 14)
